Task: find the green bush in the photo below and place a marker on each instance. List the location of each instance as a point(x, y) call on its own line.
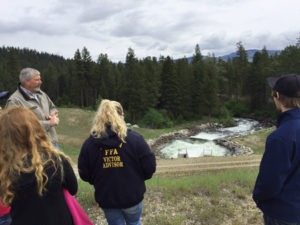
point(155, 119)
point(237, 107)
point(224, 116)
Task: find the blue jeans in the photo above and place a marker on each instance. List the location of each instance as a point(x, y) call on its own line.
point(129, 216)
point(5, 219)
point(271, 221)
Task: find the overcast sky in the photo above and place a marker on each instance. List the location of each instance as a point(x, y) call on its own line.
point(150, 27)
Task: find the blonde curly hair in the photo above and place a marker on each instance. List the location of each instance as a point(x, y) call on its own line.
point(109, 114)
point(24, 148)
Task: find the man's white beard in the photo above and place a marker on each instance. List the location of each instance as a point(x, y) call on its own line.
point(37, 89)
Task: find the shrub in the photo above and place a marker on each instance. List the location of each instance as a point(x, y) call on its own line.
point(155, 119)
point(237, 108)
point(224, 116)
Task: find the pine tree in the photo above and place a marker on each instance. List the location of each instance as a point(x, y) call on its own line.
point(289, 60)
point(198, 83)
point(170, 88)
point(150, 68)
point(134, 91)
point(11, 71)
point(257, 87)
point(210, 88)
point(241, 70)
point(49, 76)
point(76, 80)
point(88, 88)
point(185, 94)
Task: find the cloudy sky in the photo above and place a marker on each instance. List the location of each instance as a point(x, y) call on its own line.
point(149, 27)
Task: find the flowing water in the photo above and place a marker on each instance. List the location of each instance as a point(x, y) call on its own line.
point(202, 144)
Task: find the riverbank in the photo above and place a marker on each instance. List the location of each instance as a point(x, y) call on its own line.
point(234, 147)
point(158, 143)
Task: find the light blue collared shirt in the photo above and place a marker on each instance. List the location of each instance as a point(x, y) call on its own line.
point(30, 95)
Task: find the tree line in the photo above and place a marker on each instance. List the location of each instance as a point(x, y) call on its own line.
point(157, 91)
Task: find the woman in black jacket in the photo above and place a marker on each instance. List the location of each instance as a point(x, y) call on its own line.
point(116, 161)
point(33, 172)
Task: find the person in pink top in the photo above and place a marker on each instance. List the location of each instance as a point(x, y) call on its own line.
point(5, 218)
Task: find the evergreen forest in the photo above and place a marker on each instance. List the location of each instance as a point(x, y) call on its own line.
point(157, 91)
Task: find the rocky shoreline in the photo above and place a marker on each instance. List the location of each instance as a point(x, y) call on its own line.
point(234, 148)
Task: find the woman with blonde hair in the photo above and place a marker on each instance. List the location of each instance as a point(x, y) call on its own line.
point(33, 172)
point(116, 161)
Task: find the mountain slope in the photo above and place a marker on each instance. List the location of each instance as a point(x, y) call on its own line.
point(250, 54)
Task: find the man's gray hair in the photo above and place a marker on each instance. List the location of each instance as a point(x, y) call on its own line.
point(27, 74)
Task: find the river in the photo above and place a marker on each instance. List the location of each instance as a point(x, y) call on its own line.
point(202, 144)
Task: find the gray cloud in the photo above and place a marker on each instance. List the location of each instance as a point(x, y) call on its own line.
point(40, 27)
point(149, 27)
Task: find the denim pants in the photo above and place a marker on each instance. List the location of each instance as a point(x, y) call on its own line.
point(5, 219)
point(129, 216)
point(271, 221)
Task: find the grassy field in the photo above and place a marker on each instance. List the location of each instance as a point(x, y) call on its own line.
point(206, 197)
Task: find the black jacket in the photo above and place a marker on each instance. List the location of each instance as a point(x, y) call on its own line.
point(28, 208)
point(117, 170)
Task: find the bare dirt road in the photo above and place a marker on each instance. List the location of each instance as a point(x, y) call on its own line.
point(188, 166)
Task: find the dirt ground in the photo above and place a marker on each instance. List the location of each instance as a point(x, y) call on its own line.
point(182, 166)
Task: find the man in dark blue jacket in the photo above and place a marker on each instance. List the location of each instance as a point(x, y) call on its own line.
point(277, 188)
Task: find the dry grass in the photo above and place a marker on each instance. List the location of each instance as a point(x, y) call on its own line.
point(210, 198)
point(256, 140)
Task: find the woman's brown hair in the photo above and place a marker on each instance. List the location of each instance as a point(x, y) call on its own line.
point(24, 148)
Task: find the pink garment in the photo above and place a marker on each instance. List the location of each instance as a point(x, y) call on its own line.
point(4, 209)
point(78, 214)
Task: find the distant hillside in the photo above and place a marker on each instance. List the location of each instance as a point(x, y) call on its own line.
point(250, 53)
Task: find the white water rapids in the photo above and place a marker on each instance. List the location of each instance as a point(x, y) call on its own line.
point(202, 144)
